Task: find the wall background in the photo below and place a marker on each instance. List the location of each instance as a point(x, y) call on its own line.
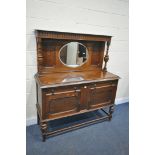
point(107, 17)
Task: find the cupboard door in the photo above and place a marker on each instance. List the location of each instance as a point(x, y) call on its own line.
point(62, 103)
point(101, 96)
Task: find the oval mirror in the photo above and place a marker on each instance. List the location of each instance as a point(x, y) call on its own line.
point(73, 54)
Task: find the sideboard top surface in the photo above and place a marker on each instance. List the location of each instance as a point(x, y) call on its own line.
point(60, 79)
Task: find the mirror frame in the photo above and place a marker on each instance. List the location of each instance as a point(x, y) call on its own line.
point(69, 65)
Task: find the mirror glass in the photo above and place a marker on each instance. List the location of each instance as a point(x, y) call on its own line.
point(73, 54)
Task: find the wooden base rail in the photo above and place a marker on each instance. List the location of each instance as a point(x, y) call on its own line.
point(46, 133)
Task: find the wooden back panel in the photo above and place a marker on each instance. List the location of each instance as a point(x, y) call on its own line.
point(49, 44)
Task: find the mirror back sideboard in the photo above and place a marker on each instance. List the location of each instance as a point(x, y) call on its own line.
point(65, 91)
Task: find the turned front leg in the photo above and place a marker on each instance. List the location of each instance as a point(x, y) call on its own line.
point(44, 130)
point(38, 119)
point(111, 110)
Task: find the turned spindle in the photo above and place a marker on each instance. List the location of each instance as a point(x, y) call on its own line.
point(106, 57)
point(44, 130)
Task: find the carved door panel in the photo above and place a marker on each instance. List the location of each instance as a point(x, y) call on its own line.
point(102, 96)
point(62, 103)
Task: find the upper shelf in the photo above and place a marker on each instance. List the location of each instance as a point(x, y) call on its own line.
point(69, 36)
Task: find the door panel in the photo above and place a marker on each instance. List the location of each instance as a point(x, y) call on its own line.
point(62, 103)
point(102, 96)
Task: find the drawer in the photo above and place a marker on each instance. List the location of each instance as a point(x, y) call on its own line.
point(61, 94)
point(105, 84)
point(98, 85)
point(62, 89)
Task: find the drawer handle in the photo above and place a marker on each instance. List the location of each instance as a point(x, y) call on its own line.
point(85, 86)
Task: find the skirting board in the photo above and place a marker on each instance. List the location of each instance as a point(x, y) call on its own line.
point(121, 100)
point(33, 120)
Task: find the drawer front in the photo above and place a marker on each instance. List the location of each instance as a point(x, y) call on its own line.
point(60, 103)
point(102, 94)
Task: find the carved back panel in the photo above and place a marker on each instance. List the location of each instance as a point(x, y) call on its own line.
point(49, 44)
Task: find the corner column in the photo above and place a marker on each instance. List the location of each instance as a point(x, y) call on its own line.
point(106, 57)
point(39, 53)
